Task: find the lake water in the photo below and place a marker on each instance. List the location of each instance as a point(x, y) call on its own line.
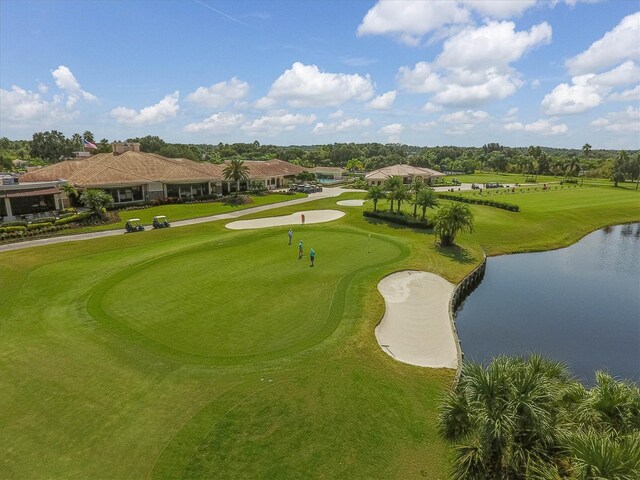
point(580, 305)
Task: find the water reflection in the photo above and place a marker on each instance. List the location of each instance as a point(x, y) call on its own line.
point(580, 304)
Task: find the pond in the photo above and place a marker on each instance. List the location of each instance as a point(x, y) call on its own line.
point(580, 305)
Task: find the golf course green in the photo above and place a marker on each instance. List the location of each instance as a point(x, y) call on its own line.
point(201, 352)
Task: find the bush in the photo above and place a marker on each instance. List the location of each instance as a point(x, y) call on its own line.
point(16, 223)
point(44, 220)
point(398, 218)
point(12, 229)
point(237, 200)
point(39, 226)
point(479, 201)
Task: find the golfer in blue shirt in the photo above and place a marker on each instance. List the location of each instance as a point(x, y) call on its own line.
point(312, 256)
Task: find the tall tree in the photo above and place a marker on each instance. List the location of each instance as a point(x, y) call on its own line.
point(236, 171)
point(451, 220)
point(426, 198)
point(586, 150)
point(400, 194)
point(51, 146)
point(375, 194)
point(416, 186)
point(390, 185)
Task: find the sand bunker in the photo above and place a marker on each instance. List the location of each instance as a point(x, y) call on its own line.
point(416, 327)
point(310, 216)
point(351, 203)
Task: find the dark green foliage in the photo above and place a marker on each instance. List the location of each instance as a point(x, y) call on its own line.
point(399, 218)
point(479, 201)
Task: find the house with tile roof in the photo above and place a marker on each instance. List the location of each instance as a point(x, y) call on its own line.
point(406, 172)
point(131, 176)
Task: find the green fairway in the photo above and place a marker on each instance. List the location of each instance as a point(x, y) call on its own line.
point(200, 352)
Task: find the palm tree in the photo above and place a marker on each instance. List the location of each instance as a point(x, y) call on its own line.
point(236, 170)
point(426, 198)
point(586, 150)
point(96, 200)
point(504, 417)
point(71, 192)
point(573, 166)
point(375, 193)
point(416, 186)
point(400, 194)
point(391, 184)
point(451, 220)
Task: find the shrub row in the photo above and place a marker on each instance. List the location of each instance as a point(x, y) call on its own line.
point(399, 218)
point(9, 233)
point(479, 201)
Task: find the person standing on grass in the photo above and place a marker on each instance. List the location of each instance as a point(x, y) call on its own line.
point(302, 218)
point(312, 256)
point(300, 250)
point(290, 235)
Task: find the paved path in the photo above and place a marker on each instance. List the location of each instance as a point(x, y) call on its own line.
point(416, 327)
point(326, 193)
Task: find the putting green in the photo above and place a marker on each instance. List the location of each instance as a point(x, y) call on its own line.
point(250, 299)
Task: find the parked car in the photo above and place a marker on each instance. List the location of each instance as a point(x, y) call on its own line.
point(133, 225)
point(160, 221)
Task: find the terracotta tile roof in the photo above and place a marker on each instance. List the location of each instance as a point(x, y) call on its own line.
point(401, 171)
point(136, 168)
point(129, 168)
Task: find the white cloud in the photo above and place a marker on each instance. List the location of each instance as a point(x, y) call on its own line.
point(543, 127)
point(618, 45)
point(346, 125)
point(591, 90)
point(569, 99)
point(409, 21)
point(494, 45)
point(306, 86)
point(264, 102)
point(24, 106)
point(631, 95)
point(384, 101)
point(465, 116)
point(337, 114)
point(423, 126)
point(277, 122)
point(220, 94)
point(65, 80)
point(628, 120)
point(493, 86)
point(474, 65)
point(222, 122)
point(500, 8)
point(392, 131)
point(431, 107)
point(164, 110)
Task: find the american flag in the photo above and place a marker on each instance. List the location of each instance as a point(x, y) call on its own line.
point(89, 145)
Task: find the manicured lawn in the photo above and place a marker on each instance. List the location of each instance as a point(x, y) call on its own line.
point(177, 212)
point(504, 178)
point(200, 352)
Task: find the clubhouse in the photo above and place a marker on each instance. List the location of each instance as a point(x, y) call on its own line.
point(131, 176)
point(406, 172)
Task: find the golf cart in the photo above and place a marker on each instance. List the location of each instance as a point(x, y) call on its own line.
point(133, 225)
point(160, 221)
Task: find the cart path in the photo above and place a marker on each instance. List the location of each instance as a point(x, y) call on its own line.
point(416, 327)
point(326, 193)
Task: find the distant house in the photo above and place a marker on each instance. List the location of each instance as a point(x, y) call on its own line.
point(130, 175)
point(327, 173)
point(406, 172)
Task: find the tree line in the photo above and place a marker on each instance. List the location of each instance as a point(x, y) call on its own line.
point(53, 146)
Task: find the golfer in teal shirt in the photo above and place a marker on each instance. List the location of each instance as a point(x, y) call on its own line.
point(312, 256)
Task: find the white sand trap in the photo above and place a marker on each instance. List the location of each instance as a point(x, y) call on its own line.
point(416, 327)
point(351, 203)
point(310, 216)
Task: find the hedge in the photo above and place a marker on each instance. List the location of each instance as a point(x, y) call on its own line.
point(13, 228)
point(398, 218)
point(479, 201)
point(39, 226)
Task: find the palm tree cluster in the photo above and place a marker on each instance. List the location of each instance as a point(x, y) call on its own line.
point(528, 419)
point(96, 200)
point(236, 171)
point(397, 192)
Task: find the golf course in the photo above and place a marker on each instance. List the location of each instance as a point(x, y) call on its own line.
point(209, 352)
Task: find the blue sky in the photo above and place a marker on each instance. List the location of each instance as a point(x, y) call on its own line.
point(554, 72)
